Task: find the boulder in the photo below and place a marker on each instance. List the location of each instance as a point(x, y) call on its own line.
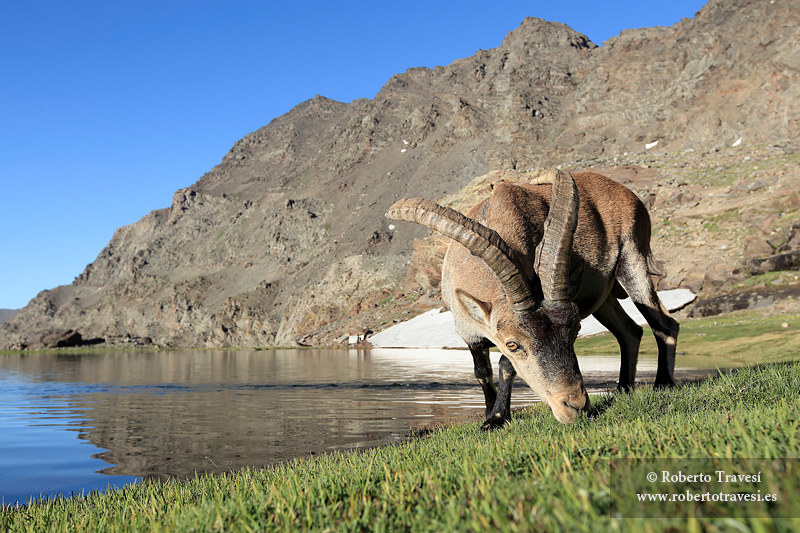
point(672, 197)
point(760, 256)
point(670, 283)
point(787, 261)
point(61, 338)
point(776, 240)
point(766, 224)
point(693, 281)
point(754, 250)
point(792, 240)
point(715, 277)
point(747, 299)
point(756, 247)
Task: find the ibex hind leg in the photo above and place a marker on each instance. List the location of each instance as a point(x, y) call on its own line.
point(665, 329)
point(634, 277)
point(628, 334)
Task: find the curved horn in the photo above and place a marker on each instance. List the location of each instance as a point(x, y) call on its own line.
point(552, 264)
point(483, 242)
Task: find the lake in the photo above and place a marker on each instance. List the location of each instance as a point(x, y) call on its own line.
point(75, 422)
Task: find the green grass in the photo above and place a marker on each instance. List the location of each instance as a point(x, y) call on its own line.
point(731, 172)
point(535, 475)
point(767, 278)
point(739, 339)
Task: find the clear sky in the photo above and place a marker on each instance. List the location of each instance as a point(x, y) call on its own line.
point(107, 108)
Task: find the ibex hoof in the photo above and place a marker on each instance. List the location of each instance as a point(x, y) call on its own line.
point(494, 422)
point(626, 388)
point(664, 384)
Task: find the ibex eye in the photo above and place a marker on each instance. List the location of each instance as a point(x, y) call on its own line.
point(513, 346)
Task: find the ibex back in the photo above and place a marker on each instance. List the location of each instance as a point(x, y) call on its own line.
point(528, 263)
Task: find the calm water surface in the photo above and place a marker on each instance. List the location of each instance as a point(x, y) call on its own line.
point(81, 422)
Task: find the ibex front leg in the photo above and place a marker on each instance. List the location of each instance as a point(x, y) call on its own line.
point(483, 372)
point(498, 402)
point(501, 412)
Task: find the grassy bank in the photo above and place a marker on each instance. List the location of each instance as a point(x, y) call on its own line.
point(744, 337)
point(535, 475)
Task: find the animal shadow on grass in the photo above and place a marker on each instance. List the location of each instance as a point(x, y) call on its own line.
point(600, 406)
point(596, 409)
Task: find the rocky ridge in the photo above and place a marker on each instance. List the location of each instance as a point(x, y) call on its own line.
point(284, 242)
point(8, 314)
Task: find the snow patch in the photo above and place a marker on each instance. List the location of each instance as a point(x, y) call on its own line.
point(436, 329)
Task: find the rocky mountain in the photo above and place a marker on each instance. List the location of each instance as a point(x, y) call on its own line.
point(7, 314)
point(285, 241)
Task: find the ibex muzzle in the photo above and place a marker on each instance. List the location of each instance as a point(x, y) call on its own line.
point(527, 264)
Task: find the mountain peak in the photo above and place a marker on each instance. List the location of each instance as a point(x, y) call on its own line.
point(287, 233)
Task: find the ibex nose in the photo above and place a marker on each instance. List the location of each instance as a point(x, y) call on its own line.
point(579, 402)
point(569, 405)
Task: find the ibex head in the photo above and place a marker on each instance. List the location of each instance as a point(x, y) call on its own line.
point(534, 324)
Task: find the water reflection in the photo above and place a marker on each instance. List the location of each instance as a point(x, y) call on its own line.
point(171, 414)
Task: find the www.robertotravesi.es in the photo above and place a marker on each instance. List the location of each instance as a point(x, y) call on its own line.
point(690, 496)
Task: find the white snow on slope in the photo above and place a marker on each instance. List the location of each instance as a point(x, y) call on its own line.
point(435, 329)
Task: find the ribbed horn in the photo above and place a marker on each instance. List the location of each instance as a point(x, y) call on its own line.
point(552, 264)
point(483, 242)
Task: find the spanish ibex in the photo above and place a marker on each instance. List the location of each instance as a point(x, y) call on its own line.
point(528, 263)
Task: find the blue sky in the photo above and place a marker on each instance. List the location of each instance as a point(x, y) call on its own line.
point(107, 108)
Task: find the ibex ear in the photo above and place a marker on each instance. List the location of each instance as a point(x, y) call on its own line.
point(478, 310)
